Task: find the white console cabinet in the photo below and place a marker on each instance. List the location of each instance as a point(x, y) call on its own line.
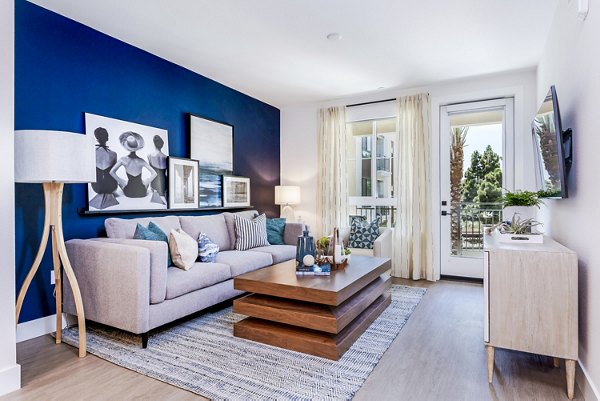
point(531, 301)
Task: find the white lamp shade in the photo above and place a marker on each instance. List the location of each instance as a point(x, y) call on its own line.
point(54, 156)
point(287, 195)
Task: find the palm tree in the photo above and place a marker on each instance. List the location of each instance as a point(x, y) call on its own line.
point(459, 139)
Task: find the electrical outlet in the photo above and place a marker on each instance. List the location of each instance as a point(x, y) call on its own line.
point(52, 279)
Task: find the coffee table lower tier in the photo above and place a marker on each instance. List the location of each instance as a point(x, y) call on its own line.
point(315, 329)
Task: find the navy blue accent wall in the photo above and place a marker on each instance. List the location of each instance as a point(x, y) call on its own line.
point(64, 69)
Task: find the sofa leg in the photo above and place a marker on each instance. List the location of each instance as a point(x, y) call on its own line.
point(145, 340)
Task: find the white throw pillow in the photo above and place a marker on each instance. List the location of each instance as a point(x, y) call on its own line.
point(184, 249)
point(250, 233)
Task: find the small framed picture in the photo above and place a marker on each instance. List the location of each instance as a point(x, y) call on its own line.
point(236, 191)
point(183, 183)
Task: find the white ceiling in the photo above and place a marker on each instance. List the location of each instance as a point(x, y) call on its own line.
point(276, 50)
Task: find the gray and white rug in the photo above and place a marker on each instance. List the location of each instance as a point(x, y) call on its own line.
point(202, 356)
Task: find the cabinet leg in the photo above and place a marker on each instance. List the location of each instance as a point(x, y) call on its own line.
point(556, 362)
point(570, 368)
point(490, 362)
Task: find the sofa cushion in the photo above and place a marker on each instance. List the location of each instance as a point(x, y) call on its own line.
point(207, 250)
point(279, 253)
point(363, 233)
point(230, 221)
point(201, 275)
point(250, 233)
point(275, 230)
point(152, 233)
point(213, 225)
point(125, 228)
point(184, 249)
point(244, 261)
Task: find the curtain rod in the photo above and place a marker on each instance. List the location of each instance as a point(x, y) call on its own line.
point(373, 102)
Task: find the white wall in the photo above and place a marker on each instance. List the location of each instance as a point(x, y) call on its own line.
point(9, 371)
point(571, 61)
point(299, 131)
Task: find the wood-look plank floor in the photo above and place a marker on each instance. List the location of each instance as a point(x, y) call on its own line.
point(438, 355)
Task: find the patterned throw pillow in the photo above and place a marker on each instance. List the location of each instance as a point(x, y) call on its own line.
point(183, 248)
point(207, 250)
point(275, 229)
point(250, 233)
point(363, 234)
point(153, 233)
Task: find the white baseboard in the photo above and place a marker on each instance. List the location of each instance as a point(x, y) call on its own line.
point(10, 379)
point(587, 387)
point(38, 327)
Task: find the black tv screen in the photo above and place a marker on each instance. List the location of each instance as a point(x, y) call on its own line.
point(549, 151)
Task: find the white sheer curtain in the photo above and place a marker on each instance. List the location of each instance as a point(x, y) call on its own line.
point(332, 193)
point(413, 240)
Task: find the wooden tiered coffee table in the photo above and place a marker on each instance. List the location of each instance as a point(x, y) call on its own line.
point(317, 315)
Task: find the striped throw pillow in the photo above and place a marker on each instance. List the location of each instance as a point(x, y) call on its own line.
point(250, 233)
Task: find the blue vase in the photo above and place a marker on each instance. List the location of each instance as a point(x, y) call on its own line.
point(306, 246)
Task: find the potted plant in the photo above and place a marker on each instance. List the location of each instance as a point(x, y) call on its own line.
point(520, 203)
point(517, 230)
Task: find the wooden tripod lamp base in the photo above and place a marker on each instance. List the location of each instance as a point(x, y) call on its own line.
point(53, 192)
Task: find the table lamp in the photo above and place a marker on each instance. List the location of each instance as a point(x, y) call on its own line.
point(54, 158)
point(287, 195)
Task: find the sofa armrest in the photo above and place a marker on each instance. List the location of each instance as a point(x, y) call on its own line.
point(158, 264)
point(114, 280)
point(383, 245)
point(292, 232)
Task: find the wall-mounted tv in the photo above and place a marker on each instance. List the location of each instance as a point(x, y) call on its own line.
point(552, 149)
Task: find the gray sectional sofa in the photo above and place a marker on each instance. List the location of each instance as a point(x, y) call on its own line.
point(125, 283)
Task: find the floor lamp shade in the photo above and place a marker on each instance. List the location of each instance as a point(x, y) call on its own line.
point(54, 156)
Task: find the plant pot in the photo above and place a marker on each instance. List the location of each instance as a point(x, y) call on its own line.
point(524, 212)
point(519, 238)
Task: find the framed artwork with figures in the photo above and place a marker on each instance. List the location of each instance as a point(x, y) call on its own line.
point(131, 165)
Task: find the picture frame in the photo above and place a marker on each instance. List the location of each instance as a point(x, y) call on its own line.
point(130, 186)
point(236, 191)
point(183, 183)
point(211, 143)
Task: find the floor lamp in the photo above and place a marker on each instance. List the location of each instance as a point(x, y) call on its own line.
point(287, 195)
point(54, 158)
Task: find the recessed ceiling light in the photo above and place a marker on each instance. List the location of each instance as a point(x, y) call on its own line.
point(334, 36)
point(381, 87)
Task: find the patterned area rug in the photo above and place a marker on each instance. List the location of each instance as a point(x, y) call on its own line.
point(202, 356)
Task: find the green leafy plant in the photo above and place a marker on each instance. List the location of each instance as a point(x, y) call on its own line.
point(548, 193)
point(521, 198)
point(347, 251)
point(518, 226)
point(323, 242)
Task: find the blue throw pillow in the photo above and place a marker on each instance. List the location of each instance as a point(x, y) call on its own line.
point(275, 229)
point(153, 233)
point(363, 234)
point(207, 250)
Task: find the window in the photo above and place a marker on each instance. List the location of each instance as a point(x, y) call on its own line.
point(371, 149)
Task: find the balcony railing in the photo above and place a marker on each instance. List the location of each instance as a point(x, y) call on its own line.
point(387, 214)
point(469, 220)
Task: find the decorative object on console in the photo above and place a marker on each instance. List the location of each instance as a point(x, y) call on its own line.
point(287, 195)
point(211, 143)
point(183, 183)
point(250, 233)
point(124, 179)
point(153, 233)
point(305, 250)
point(275, 230)
point(519, 230)
point(54, 158)
point(184, 249)
point(363, 234)
point(236, 191)
point(207, 249)
point(521, 203)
